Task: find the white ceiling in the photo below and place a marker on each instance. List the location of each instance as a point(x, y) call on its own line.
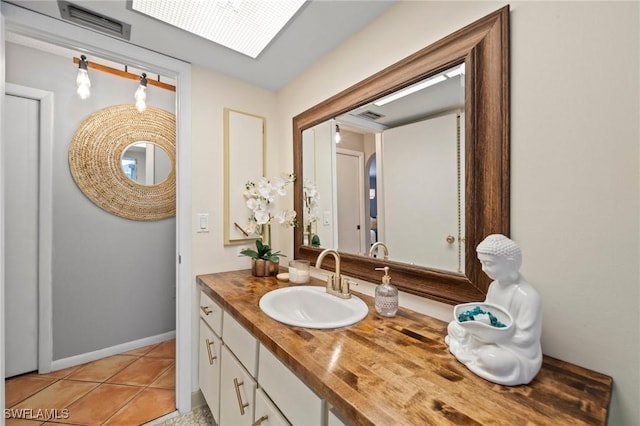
point(318, 28)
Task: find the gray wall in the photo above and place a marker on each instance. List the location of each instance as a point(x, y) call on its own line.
point(113, 278)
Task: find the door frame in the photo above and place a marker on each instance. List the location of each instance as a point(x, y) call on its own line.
point(34, 25)
point(45, 209)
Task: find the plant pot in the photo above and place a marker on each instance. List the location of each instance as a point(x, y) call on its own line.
point(263, 268)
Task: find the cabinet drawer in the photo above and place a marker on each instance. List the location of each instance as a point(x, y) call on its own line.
point(209, 359)
point(299, 404)
point(242, 343)
point(267, 414)
point(211, 312)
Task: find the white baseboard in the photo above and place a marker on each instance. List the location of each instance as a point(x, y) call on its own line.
point(60, 364)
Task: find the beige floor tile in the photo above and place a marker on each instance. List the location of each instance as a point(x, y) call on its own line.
point(21, 422)
point(142, 372)
point(57, 424)
point(146, 406)
point(20, 388)
point(167, 380)
point(164, 350)
point(59, 395)
point(101, 403)
point(102, 369)
point(60, 374)
point(140, 351)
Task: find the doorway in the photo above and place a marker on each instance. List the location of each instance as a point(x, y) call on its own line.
point(350, 200)
point(28, 117)
point(33, 25)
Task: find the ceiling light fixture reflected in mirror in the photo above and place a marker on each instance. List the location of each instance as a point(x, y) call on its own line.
point(420, 86)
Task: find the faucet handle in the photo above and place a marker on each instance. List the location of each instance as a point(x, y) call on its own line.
point(330, 280)
point(344, 286)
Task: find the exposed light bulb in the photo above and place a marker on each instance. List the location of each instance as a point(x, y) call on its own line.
point(141, 94)
point(82, 79)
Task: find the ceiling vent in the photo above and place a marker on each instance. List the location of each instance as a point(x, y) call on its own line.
point(95, 21)
point(370, 115)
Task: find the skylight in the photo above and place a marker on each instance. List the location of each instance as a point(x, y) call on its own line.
point(246, 26)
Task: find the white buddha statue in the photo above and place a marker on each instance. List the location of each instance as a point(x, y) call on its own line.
point(513, 357)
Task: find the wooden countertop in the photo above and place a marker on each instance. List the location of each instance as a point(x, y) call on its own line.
point(398, 371)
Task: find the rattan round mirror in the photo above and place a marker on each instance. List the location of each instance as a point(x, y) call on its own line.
point(95, 156)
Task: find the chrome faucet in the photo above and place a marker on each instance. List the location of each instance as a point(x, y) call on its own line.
point(384, 248)
point(336, 285)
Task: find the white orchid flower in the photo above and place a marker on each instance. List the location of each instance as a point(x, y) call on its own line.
point(262, 217)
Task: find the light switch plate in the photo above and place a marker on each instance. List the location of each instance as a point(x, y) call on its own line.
point(326, 218)
point(203, 222)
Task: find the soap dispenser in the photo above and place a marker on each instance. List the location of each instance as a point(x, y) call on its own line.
point(386, 300)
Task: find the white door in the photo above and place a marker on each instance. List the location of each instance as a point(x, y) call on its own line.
point(21, 118)
point(350, 202)
point(420, 165)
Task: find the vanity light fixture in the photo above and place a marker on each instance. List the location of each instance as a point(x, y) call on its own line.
point(246, 26)
point(337, 136)
point(82, 80)
point(141, 93)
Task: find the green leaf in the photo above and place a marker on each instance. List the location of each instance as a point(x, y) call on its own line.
point(251, 253)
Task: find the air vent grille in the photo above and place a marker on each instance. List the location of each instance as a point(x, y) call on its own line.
point(93, 20)
point(370, 115)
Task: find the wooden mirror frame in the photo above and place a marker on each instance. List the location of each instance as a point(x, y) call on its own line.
point(484, 48)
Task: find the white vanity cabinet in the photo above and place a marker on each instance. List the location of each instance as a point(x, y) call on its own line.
point(244, 383)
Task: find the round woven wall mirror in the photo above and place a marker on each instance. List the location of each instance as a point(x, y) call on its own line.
point(95, 161)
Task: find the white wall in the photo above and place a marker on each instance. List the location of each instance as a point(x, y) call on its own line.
point(212, 92)
point(575, 161)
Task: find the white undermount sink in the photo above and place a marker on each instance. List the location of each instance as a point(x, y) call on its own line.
point(312, 307)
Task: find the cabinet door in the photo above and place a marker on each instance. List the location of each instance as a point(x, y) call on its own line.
point(209, 368)
point(267, 414)
point(237, 392)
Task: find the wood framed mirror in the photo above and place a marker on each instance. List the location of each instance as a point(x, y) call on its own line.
point(483, 47)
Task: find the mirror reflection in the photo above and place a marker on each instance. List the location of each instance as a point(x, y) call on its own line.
point(387, 178)
point(146, 163)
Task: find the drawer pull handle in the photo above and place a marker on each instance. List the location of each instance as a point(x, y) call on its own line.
point(260, 420)
point(211, 357)
point(241, 405)
point(206, 310)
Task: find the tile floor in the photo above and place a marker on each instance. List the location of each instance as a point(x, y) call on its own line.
point(128, 389)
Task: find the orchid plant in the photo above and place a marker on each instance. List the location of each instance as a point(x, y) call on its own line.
point(312, 213)
point(261, 199)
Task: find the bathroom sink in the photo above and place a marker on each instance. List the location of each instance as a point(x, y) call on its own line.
point(312, 307)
